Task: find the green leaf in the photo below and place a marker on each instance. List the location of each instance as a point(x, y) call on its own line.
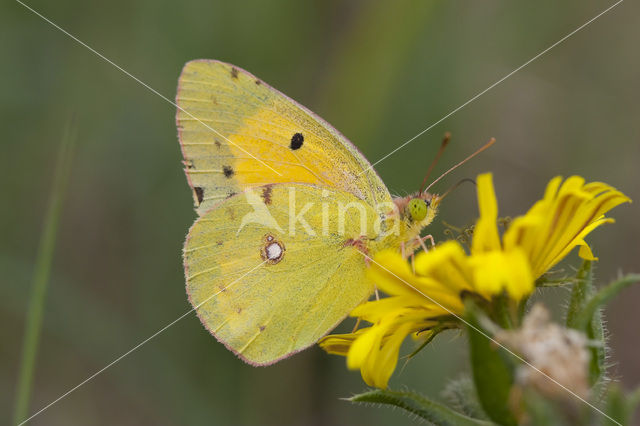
point(603, 296)
point(422, 407)
point(492, 371)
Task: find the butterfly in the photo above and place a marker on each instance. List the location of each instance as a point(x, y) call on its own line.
point(278, 254)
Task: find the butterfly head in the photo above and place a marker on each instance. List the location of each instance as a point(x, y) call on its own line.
point(419, 209)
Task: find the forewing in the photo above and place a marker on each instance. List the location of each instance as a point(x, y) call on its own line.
point(237, 132)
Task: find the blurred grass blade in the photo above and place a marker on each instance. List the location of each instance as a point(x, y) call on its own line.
point(41, 274)
point(422, 407)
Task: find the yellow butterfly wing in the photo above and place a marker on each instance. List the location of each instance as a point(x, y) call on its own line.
point(264, 285)
point(237, 132)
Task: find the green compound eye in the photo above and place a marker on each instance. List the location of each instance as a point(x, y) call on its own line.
point(417, 209)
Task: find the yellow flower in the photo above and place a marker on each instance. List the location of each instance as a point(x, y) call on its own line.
point(421, 301)
point(430, 295)
point(561, 220)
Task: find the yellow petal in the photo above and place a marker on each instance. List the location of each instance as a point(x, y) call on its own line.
point(521, 280)
point(522, 232)
point(578, 240)
point(363, 347)
point(498, 271)
point(585, 251)
point(448, 266)
point(339, 344)
point(375, 310)
point(552, 188)
point(485, 233)
point(388, 271)
point(388, 357)
point(572, 184)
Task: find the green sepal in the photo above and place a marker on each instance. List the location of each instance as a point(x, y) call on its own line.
point(432, 333)
point(420, 406)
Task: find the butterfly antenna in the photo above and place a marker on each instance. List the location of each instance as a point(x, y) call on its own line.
point(478, 151)
point(460, 182)
point(445, 141)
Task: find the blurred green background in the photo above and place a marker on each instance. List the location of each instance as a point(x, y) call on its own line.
point(380, 72)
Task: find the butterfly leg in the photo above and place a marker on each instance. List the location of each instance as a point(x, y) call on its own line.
point(429, 237)
point(422, 244)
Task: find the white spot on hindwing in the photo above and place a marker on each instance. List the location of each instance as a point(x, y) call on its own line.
point(272, 250)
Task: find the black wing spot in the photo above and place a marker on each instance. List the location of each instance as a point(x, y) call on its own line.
point(262, 327)
point(296, 141)
point(234, 72)
point(228, 171)
point(199, 194)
